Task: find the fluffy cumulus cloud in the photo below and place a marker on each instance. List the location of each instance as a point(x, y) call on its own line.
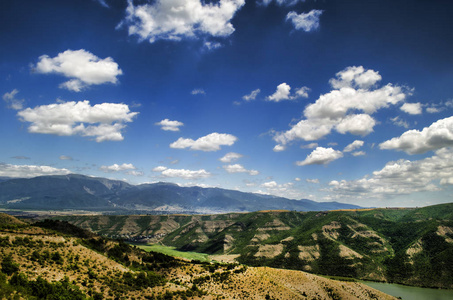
point(286, 190)
point(412, 108)
point(305, 21)
point(180, 19)
point(436, 136)
point(347, 108)
point(237, 168)
point(316, 181)
point(117, 168)
point(83, 67)
point(353, 146)
point(11, 100)
point(103, 121)
point(29, 171)
point(321, 156)
point(401, 177)
point(169, 125)
point(210, 142)
point(283, 92)
point(182, 173)
point(230, 157)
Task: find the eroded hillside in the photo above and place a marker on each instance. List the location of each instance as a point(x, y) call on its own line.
point(53, 258)
point(411, 246)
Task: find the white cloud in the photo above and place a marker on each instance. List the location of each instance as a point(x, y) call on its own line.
point(117, 168)
point(212, 45)
point(135, 173)
point(283, 92)
point(355, 77)
point(198, 92)
point(433, 110)
point(353, 146)
point(436, 136)
point(65, 157)
point(309, 146)
point(252, 95)
point(210, 142)
point(83, 67)
point(302, 92)
point(182, 173)
point(237, 168)
point(70, 118)
point(401, 177)
point(305, 21)
point(179, 19)
point(321, 156)
point(398, 122)
point(230, 157)
point(361, 124)
point(412, 108)
point(354, 90)
point(269, 184)
point(29, 171)
point(312, 180)
point(159, 169)
point(279, 148)
point(169, 125)
point(358, 153)
point(12, 102)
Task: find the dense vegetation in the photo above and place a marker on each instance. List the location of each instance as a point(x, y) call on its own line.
point(410, 246)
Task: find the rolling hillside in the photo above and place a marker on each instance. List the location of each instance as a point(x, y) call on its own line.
point(410, 246)
point(56, 260)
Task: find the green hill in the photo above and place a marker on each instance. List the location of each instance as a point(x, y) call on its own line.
point(410, 246)
point(54, 259)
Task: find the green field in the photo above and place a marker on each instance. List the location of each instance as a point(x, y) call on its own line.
point(175, 253)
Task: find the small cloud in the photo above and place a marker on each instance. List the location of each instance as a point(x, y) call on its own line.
point(198, 92)
point(353, 146)
point(279, 148)
point(312, 180)
point(310, 146)
point(283, 92)
point(65, 157)
point(321, 156)
point(210, 142)
point(237, 168)
point(182, 173)
point(398, 122)
point(412, 108)
point(251, 96)
point(212, 45)
point(230, 157)
point(305, 21)
point(168, 125)
point(358, 153)
point(117, 168)
point(12, 102)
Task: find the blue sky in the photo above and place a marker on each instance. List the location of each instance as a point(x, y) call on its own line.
point(347, 101)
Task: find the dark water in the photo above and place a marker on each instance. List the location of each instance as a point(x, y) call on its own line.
point(411, 293)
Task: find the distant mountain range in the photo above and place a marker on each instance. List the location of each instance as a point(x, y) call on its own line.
point(101, 194)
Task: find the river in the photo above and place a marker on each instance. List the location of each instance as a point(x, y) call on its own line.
point(410, 292)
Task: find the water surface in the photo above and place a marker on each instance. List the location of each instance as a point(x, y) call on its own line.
point(409, 292)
